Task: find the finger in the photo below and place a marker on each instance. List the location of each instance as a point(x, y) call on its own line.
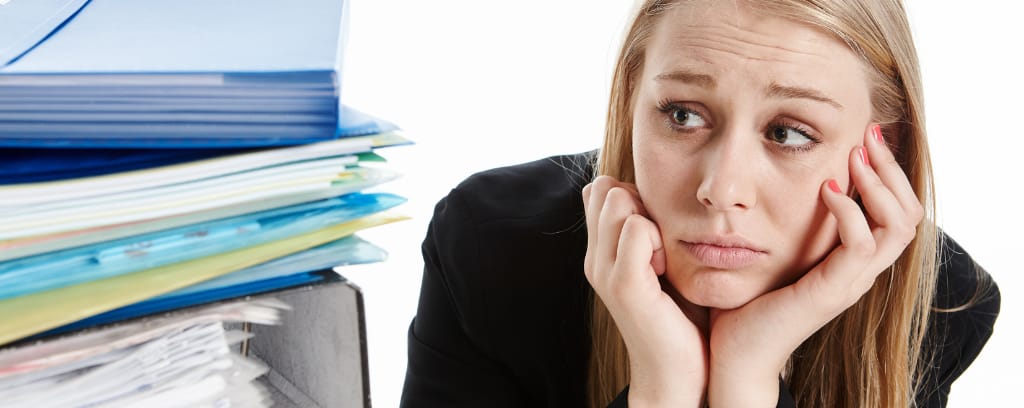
point(631, 188)
point(637, 242)
point(587, 189)
point(846, 264)
point(597, 191)
point(891, 174)
point(898, 221)
point(597, 194)
point(656, 255)
point(586, 196)
point(618, 205)
point(658, 261)
point(879, 202)
point(591, 236)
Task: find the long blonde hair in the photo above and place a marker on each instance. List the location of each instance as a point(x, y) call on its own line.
point(871, 354)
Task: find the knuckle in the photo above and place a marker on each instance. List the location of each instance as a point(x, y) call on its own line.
point(617, 193)
point(629, 229)
point(877, 184)
point(890, 160)
point(863, 246)
point(603, 183)
point(906, 235)
point(907, 232)
point(917, 212)
point(634, 223)
point(618, 197)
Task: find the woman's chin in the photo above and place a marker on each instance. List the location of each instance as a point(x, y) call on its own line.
point(719, 292)
point(714, 301)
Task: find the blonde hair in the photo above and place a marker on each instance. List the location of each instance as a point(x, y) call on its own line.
point(871, 354)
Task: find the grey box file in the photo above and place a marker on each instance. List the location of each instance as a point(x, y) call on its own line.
point(317, 356)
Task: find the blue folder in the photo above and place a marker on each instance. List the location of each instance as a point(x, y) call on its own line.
point(71, 266)
point(351, 123)
point(302, 268)
point(269, 287)
point(167, 36)
point(174, 73)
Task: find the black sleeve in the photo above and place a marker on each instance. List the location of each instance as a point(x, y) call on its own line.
point(957, 335)
point(622, 400)
point(447, 366)
point(785, 398)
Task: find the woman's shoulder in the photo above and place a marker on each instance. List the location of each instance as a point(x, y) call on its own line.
point(506, 246)
point(547, 187)
point(964, 313)
point(511, 215)
point(524, 215)
point(963, 284)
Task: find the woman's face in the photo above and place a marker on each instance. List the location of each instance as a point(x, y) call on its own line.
point(738, 119)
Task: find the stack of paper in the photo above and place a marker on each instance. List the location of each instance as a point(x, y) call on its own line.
point(171, 73)
point(174, 360)
point(163, 155)
point(76, 248)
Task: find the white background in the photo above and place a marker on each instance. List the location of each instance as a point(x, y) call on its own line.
point(480, 84)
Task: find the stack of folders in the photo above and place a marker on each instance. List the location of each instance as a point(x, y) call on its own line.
point(167, 166)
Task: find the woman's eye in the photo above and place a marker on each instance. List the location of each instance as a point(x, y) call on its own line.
point(788, 136)
point(686, 118)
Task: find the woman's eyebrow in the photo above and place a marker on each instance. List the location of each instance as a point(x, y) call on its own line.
point(690, 77)
point(776, 90)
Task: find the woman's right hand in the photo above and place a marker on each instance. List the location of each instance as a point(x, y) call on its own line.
point(667, 352)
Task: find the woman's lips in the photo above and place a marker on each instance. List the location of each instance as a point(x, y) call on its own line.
point(723, 257)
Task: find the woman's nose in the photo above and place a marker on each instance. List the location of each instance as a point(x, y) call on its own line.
point(728, 174)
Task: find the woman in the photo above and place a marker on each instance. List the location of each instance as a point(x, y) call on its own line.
point(759, 234)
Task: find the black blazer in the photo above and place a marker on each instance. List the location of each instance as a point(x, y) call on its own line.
point(504, 305)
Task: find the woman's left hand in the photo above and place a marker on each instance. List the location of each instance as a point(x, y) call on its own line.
point(750, 345)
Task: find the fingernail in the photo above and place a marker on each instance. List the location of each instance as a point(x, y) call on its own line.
point(876, 130)
point(864, 155)
point(832, 185)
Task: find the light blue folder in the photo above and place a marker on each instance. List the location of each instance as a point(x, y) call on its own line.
point(191, 72)
point(302, 268)
point(113, 258)
point(23, 24)
point(170, 36)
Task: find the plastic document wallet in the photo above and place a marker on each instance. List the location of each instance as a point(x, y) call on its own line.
point(174, 73)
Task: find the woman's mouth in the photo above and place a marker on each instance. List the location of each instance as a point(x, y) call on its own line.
point(724, 254)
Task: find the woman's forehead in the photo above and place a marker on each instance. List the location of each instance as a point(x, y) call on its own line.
point(732, 37)
point(747, 30)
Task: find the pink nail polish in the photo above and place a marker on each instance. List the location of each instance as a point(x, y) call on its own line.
point(832, 185)
point(864, 155)
point(876, 130)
